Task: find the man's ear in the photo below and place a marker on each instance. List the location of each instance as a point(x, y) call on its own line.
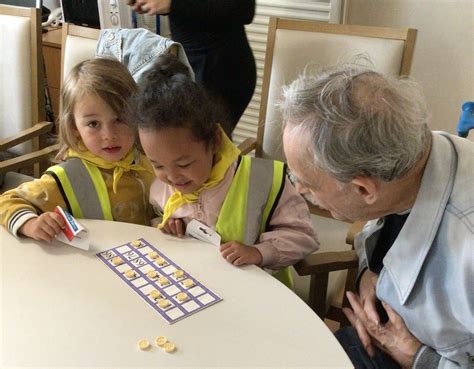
point(367, 188)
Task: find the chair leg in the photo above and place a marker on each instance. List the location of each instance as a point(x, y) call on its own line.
point(318, 293)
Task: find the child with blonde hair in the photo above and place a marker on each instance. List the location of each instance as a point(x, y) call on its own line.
point(100, 175)
point(201, 175)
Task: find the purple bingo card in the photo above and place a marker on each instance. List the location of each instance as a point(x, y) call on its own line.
point(167, 288)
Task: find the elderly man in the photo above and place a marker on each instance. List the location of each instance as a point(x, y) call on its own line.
point(359, 146)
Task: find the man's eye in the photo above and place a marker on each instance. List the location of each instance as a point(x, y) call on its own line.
point(92, 124)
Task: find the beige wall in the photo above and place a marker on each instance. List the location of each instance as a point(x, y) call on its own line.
point(444, 53)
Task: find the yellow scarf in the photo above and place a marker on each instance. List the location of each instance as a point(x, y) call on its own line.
point(121, 166)
point(223, 159)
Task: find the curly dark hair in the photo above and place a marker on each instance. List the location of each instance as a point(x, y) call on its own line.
point(168, 97)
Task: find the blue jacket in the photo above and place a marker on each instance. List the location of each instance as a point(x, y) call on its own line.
point(428, 276)
point(137, 48)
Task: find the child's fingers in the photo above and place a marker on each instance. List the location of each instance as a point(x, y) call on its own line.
point(179, 227)
point(225, 246)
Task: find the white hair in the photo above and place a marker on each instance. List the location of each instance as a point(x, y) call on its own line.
point(358, 122)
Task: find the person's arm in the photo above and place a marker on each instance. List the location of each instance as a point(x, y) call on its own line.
point(27, 201)
point(290, 235)
point(225, 12)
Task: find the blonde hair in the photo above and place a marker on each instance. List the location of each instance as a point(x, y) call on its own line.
point(108, 79)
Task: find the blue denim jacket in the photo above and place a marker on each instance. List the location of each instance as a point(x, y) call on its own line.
point(428, 276)
point(137, 48)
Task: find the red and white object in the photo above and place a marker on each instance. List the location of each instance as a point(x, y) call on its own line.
point(74, 233)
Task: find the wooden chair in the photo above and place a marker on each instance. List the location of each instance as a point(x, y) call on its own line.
point(22, 111)
point(292, 46)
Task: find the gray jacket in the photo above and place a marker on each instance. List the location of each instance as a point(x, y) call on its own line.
point(137, 48)
point(428, 276)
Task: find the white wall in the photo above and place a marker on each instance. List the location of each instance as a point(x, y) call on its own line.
point(444, 53)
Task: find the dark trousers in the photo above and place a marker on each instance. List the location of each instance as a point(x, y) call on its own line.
point(351, 343)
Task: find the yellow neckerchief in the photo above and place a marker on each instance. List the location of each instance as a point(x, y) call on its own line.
point(123, 165)
point(223, 159)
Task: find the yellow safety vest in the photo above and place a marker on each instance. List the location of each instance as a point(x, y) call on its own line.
point(249, 204)
point(83, 189)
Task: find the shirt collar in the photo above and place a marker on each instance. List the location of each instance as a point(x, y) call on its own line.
point(416, 237)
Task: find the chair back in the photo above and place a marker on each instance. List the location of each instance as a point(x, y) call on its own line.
point(295, 44)
point(21, 73)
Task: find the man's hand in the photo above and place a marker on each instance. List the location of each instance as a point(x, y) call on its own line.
point(239, 254)
point(44, 227)
point(174, 226)
point(150, 7)
point(392, 337)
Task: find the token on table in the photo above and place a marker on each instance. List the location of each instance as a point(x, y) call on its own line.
point(117, 260)
point(152, 274)
point(161, 340)
point(179, 273)
point(136, 243)
point(163, 303)
point(182, 296)
point(155, 294)
point(169, 347)
point(130, 273)
point(163, 281)
point(188, 283)
point(152, 254)
point(160, 261)
point(143, 344)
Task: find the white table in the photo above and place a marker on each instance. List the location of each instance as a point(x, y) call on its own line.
point(63, 307)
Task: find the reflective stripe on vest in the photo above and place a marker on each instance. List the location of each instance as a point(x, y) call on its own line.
point(251, 197)
point(84, 189)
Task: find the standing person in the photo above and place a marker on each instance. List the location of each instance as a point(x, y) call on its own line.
point(213, 36)
point(101, 174)
point(201, 175)
point(359, 145)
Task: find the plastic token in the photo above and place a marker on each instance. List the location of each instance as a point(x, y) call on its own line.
point(117, 261)
point(143, 344)
point(152, 254)
point(130, 273)
point(136, 243)
point(188, 283)
point(178, 273)
point(169, 347)
point(182, 296)
point(155, 294)
point(160, 261)
point(163, 281)
point(152, 274)
point(161, 340)
point(163, 303)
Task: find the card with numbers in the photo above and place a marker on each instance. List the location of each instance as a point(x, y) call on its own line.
point(167, 288)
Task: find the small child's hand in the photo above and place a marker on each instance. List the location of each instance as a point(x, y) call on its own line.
point(44, 227)
point(239, 254)
point(174, 226)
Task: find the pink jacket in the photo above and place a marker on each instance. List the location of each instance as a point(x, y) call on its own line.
point(290, 236)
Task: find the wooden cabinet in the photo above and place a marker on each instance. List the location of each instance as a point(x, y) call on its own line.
point(52, 61)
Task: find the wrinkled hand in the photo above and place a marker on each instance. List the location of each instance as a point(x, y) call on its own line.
point(392, 337)
point(239, 254)
point(150, 7)
point(174, 226)
point(44, 227)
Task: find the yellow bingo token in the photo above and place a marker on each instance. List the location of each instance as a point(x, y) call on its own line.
point(161, 340)
point(164, 303)
point(169, 347)
point(163, 281)
point(155, 294)
point(182, 296)
point(117, 260)
point(152, 254)
point(179, 274)
point(136, 243)
point(160, 261)
point(130, 273)
point(143, 344)
point(188, 283)
point(152, 274)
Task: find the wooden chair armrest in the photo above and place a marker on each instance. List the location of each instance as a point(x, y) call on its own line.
point(35, 131)
point(355, 228)
point(28, 159)
point(248, 145)
point(325, 262)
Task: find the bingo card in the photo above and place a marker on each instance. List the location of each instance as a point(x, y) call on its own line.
point(166, 287)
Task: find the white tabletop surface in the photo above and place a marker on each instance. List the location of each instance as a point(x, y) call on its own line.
point(63, 307)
